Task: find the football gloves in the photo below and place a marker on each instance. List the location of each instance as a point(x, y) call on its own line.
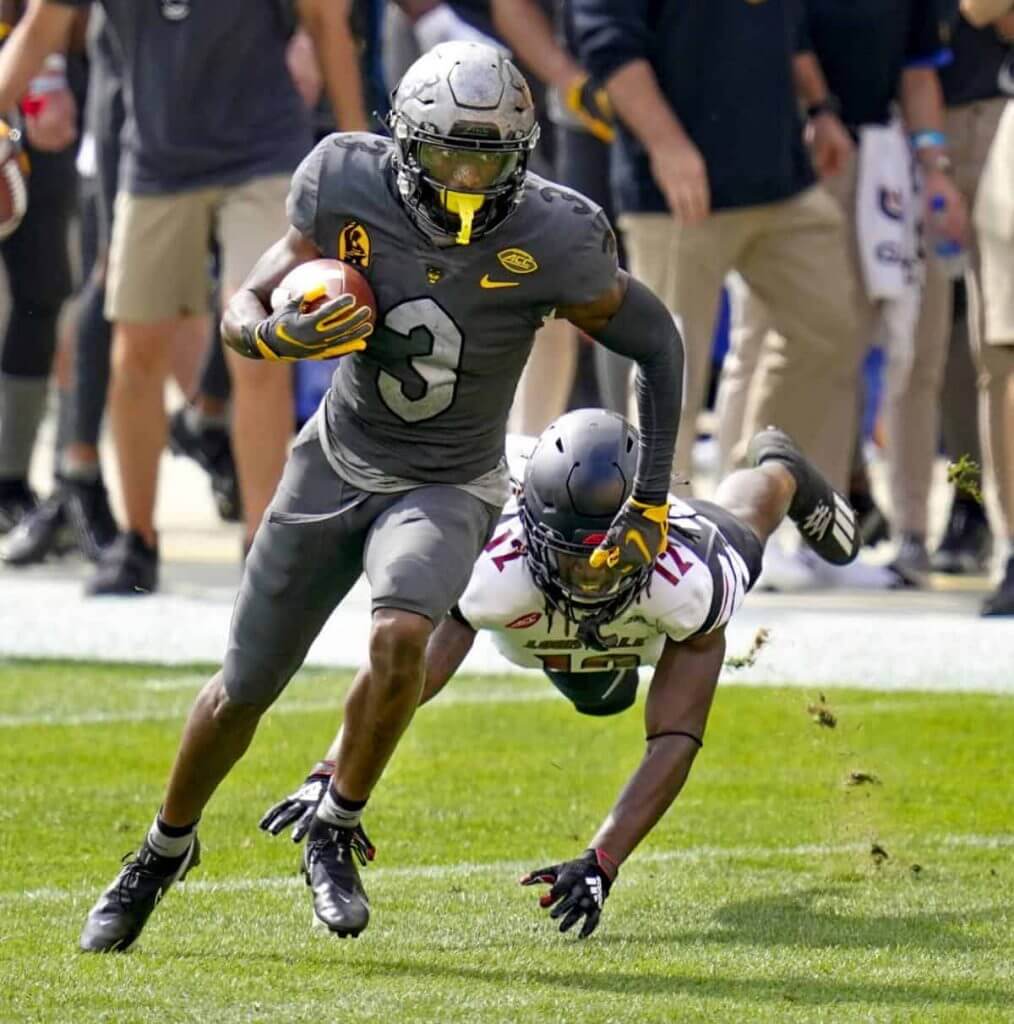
point(338, 327)
point(298, 809)
point(579, 889)
point(589, 103)
point(636, 538)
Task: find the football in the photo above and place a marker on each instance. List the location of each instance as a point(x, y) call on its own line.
point(335, 277)
point(13, 188)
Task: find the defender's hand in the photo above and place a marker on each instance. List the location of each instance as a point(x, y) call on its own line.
point(581, 887)
point(589, 102)
point(300, 806)
point(338, 327)
point(636, 538)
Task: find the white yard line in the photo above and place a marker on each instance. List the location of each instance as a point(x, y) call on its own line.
point(286, 707)
point(693, 854)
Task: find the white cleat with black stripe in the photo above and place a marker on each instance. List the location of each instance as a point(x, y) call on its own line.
point(825, 520)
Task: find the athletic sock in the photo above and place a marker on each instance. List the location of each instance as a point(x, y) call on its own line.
point(78, 471)
point(22, 404)
point(336, 810)
point(197, 421)
point(170, 841)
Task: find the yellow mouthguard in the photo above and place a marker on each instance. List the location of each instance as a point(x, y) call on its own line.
point(465, 205)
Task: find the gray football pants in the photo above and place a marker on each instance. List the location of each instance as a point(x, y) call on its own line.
point(319, 534)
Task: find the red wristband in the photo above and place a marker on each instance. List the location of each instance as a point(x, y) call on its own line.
point(606, 863)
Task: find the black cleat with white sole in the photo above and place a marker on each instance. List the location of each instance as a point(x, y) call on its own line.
point(825, 519)
point(340, 903)
point(116, 920)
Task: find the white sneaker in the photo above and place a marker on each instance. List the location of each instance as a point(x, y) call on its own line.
point(785, 571)
point(858, 575)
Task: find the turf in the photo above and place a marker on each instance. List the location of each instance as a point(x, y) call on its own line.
point(757, 899)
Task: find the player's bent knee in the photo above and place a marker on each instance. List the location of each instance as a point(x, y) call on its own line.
point(398, 641)
point(225, 710)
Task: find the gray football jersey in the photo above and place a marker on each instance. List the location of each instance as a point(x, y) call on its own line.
point(427, 401)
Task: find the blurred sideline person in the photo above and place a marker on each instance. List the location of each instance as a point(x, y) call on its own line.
point(195, 164)
point(711, 174)
point(902, 47)
point(575, 106)
point(533, 590)
point(35, 257)
point(401, 473)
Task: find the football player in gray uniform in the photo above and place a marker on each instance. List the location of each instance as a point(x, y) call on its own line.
point(546, 607)
point(402, 474)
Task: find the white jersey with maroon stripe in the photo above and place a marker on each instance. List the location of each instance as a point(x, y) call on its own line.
point(695, 587)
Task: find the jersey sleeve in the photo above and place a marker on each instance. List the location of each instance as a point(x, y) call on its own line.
point(303, 203)
point(500, 590)
point(587, 255)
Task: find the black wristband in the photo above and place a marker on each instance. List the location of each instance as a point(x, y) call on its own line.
point(828, 105)
point(675, 732)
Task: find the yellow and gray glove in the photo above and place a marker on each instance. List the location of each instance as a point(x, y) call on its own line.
point(336, 328)
point(636, 538)
point(588, 101)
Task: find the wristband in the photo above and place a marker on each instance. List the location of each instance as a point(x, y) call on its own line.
point(929, 140)
point(828, 105)
point(675, 732)
point(606, 863)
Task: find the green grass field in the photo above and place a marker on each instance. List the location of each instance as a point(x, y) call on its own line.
point(757, 899)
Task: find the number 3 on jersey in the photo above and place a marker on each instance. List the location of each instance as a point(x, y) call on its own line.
point(428, 377)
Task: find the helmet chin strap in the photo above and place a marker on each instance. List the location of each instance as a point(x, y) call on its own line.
point(465, 205)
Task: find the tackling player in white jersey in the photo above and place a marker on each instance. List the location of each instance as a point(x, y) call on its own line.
point(534, 589)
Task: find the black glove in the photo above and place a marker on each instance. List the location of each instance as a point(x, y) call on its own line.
point(301, 806)
point(580, 885)
point(636, 538)
point(336, 328)
point(588, 101)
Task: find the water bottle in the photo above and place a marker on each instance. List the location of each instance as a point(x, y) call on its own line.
point(951, 255)
point(51, 78)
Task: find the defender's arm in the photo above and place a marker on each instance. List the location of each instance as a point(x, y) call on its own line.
point(675, 716)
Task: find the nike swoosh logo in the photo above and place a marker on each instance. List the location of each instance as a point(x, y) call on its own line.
point(487, 283)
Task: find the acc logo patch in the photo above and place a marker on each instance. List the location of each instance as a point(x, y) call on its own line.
point(525, 621)
point(354, 244)
point(517, 261)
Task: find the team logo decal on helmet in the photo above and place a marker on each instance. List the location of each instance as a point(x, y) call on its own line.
point(463, 123)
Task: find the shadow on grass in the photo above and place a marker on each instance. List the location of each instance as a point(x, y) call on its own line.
point(795, 989)
point(793, 919)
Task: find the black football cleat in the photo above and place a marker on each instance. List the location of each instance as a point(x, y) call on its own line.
point(42, 532)
point(87, 504)
point(1001, 601)
point(211, 449)
point(340, 903)
point(17, 499)
point(825, 520)
point(966, 545)
point(128, 568)
point(116, 920)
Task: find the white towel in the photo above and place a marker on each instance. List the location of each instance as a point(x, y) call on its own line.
point(887, 231)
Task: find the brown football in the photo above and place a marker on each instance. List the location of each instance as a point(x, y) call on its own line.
point(13, 186)
point(335, 277)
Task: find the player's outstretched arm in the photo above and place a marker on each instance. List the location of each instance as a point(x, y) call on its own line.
point(631, 321)
point(675, 716)
point(43, 30)
point(447, 647)
point(250, 328)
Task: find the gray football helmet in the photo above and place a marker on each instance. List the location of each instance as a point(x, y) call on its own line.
point(463, 123)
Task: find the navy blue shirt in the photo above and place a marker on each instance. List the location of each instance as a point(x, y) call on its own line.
point(725, 66)
point(983, 64)
point(208, 96)
point(863, 47)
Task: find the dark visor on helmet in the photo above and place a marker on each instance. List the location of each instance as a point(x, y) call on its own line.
point(467, 170)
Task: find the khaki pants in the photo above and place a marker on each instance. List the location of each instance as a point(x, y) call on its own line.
point(158, 259)
point(792, 255)
point(971, 129)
